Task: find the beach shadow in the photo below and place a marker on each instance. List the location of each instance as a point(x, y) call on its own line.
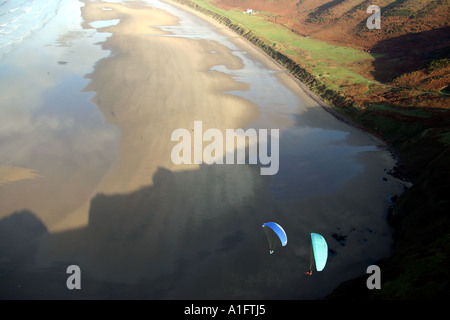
point(409, 52)
point(190, 233)
point(141, 244)
point(19, 234)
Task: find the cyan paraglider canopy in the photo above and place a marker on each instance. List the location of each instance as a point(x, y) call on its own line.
point(275, 234)
point(320, 251)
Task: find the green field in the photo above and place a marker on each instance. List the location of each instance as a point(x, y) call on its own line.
point(329, 62)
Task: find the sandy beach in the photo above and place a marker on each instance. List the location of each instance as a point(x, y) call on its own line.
point(143, 90)
point(151, 229)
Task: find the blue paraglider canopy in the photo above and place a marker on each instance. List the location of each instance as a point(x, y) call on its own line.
point(320, 250)
point(279, 231)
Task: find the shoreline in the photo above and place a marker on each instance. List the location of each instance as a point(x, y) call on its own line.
point(303, 87)
point(397, 171)
point(427, 175)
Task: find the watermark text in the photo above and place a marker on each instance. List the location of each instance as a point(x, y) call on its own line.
point(220, 148)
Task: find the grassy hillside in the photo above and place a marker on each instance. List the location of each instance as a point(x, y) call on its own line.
point(330, 40)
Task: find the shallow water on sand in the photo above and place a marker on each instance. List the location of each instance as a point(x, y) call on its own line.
point(193, 234)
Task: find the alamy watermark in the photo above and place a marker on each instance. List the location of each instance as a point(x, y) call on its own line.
point(374, 280)
point(213, 152)
point(374, 21)
point(74, 280)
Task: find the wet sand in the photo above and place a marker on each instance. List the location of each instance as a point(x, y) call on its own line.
point(152, 229)
point(10, 174)
point(150, 88)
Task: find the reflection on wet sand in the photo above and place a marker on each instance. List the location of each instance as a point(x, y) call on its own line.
point(48, 126)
